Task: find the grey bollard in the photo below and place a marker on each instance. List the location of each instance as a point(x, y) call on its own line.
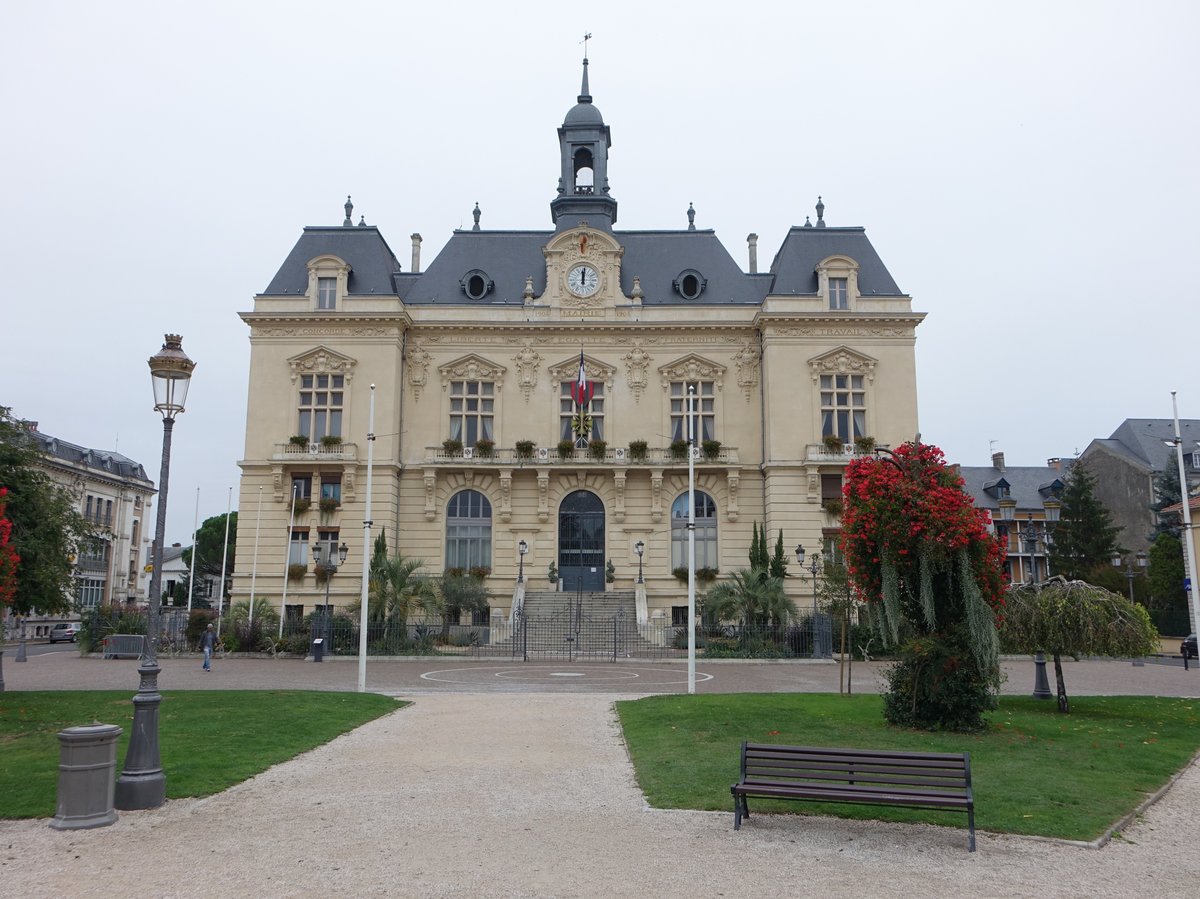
point(87, 769)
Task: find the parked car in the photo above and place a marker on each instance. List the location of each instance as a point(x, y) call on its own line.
point(67, 633)
point(1187, 648)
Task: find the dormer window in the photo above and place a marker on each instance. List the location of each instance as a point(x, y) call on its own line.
point(839, 297)
point(689, 284)
point(327, 280)
point(327, 293)
point(476, 284)
point(837, 282)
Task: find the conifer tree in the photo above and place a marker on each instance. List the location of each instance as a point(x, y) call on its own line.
point(779, 560)
point(1085, 536)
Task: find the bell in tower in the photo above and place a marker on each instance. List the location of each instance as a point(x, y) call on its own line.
point(584, 140)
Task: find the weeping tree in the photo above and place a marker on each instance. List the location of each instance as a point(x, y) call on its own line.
point(921, 557)
point(1063, 617)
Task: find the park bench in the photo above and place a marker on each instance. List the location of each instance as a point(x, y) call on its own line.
point(123, 646)
point(934, 780)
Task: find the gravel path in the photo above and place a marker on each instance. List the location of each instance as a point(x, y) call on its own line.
point(532, 794)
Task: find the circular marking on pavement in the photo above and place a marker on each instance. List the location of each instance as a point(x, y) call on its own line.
point(566, 674)
point(525, 676)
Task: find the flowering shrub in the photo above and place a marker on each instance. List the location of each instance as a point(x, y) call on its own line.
point(920, 555)
point(8, 555)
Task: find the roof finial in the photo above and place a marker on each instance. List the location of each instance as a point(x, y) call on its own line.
point(691, 217)
point(585, 95)
point(807, 222)
point(820, 213)
point(475, 215)
point(349, 212)
point(362, 221)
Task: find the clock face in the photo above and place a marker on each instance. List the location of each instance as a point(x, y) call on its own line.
point(583, 280)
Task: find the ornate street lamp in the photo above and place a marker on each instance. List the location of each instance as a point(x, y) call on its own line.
point(324, 560)
point(640, 549)
point(1041, 684)
point(522, 548)
point(1130, 572)
point(813, 567)
point(142, 783)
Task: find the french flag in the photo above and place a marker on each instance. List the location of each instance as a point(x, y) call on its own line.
point(582, 389)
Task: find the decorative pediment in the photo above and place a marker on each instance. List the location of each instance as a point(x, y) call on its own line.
point(322, 360)
point(568, 370)
point(583, 244)
point(693, 368)
point(472, 368)
point(842, 361)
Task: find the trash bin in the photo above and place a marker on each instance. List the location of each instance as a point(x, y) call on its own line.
point(87, 770)
point(318, 649)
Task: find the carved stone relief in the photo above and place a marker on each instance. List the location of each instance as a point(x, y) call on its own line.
point(842, 360)
point(747, 366)
point(322, 360)
point(472, 368)
point(693, 368)
point(418, 367)
point(528, 360)
point(636, 361)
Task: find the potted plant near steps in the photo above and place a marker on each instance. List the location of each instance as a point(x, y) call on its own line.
point(610, 572)
point(552, 574)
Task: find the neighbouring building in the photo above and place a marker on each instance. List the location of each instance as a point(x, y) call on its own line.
point(1024, 503)
point(471, 359)
point(113, 493)
point(1126, 465)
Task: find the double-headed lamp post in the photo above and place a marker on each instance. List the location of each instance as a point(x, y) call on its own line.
point(1041, 684)
point(813, 567)
point(522, 548)
point(142, 783)
point(324, 559)
point(640, 549)
point(1130, 572)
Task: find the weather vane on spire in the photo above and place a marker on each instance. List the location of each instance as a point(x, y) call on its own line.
point(587, 37)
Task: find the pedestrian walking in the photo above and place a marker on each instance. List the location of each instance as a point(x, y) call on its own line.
point(208, 641)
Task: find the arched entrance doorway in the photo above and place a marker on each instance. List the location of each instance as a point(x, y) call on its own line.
point(581, 541)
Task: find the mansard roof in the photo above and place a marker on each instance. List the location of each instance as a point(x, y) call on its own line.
point(105, 462)
point(795, 265)
point(373, 265)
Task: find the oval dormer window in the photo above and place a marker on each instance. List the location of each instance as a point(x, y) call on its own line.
point(690, 284)
point(476, 284)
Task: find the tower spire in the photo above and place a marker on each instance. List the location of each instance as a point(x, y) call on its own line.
point(585, 95)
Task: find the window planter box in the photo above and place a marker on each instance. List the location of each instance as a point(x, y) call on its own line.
point(329, 505)
point(303, 505)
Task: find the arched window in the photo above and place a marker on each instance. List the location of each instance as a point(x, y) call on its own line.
point(706, 531)
point(584, 175)
point(469, 531)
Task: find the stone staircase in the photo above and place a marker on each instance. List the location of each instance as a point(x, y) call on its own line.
point(551, 603)
point(606, 625)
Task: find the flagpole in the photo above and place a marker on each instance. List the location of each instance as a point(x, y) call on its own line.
point(192, 573)
point(1189, 544)
point(254, 566)
point(224, 559)
point(367, 556)
point(287, 559)
point(691, 529)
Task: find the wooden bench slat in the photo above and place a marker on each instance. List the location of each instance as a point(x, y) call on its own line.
point(801, 778)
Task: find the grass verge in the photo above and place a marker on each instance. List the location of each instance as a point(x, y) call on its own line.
point(1034, 771)
point(209, 740)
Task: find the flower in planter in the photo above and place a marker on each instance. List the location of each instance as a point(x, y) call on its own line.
point(833, 443)
point(707, 574)
point(303, 505)
point(710, 448)
point(680, 574)
point(296, 571)
point(566, 449)
point(485, 448)
point(597, 449)
point(331, 440)
point(298, 440)
point(864, 445)
point(452, 447)
point(638, 450)
point(329, 504)
point(679, 449)
point(832, 506)
point(525, 449)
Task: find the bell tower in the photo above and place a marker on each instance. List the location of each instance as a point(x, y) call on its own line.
point(583, 141)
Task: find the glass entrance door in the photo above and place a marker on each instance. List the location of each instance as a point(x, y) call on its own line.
point(581, 542)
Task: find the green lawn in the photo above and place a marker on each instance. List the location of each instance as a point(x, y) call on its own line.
point(209, 739)
point(1034, 770)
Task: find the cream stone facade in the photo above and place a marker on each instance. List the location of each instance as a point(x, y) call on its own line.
point(483, 345)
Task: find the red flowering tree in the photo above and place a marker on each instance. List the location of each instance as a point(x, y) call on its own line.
point(920, 555)
point(8, 555)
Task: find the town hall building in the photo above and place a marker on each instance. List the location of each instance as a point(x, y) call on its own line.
point(481, 447)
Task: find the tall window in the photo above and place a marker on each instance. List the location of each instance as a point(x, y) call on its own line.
point(839, 294)
point(706, 531)
point(469, 531)
point(703, 407)
point(326, 293)
point(321, 406)
point(331, 487)
point(328, 541)
point(298, 550)
point(472, 405)
point(566, 411)
point(90, 592)
point(843, 407)
point(302, 486)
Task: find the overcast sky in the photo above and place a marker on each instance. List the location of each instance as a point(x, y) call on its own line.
point(1026, 170)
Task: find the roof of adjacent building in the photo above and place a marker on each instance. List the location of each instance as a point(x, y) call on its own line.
point(106, 462)
point(1030, 485)
point(1148, 443)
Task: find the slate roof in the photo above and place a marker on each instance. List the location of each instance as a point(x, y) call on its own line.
point(1025, 484)
point(509, 257)
point(1143, 441)
point(105, 461)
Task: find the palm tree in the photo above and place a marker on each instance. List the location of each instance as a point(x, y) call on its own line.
point(752, 598)
point(396, 591)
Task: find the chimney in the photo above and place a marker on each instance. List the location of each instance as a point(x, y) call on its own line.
point(998, 461)
point(752, 241)
point(416, 257)
point(1054, 462)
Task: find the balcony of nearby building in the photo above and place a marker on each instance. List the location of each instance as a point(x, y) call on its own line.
point(650, 457)
point(840, 454)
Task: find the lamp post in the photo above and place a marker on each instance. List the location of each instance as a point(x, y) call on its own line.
point(324, 560)
point(142, 783)
point(1041, 684)
point(522, 548)
point(640, 549)
point(813, 567)
point(1141, 559)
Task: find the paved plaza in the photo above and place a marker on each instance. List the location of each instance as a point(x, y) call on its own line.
point(505, 779)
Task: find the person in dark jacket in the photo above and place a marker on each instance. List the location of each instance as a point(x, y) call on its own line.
point(208, 642)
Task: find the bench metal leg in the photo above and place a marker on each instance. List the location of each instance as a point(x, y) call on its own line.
point(737, 812)
point(971, 829)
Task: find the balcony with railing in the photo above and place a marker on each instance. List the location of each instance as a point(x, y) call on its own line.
point(315, 452)
point(657, 457)
point(841, 454)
